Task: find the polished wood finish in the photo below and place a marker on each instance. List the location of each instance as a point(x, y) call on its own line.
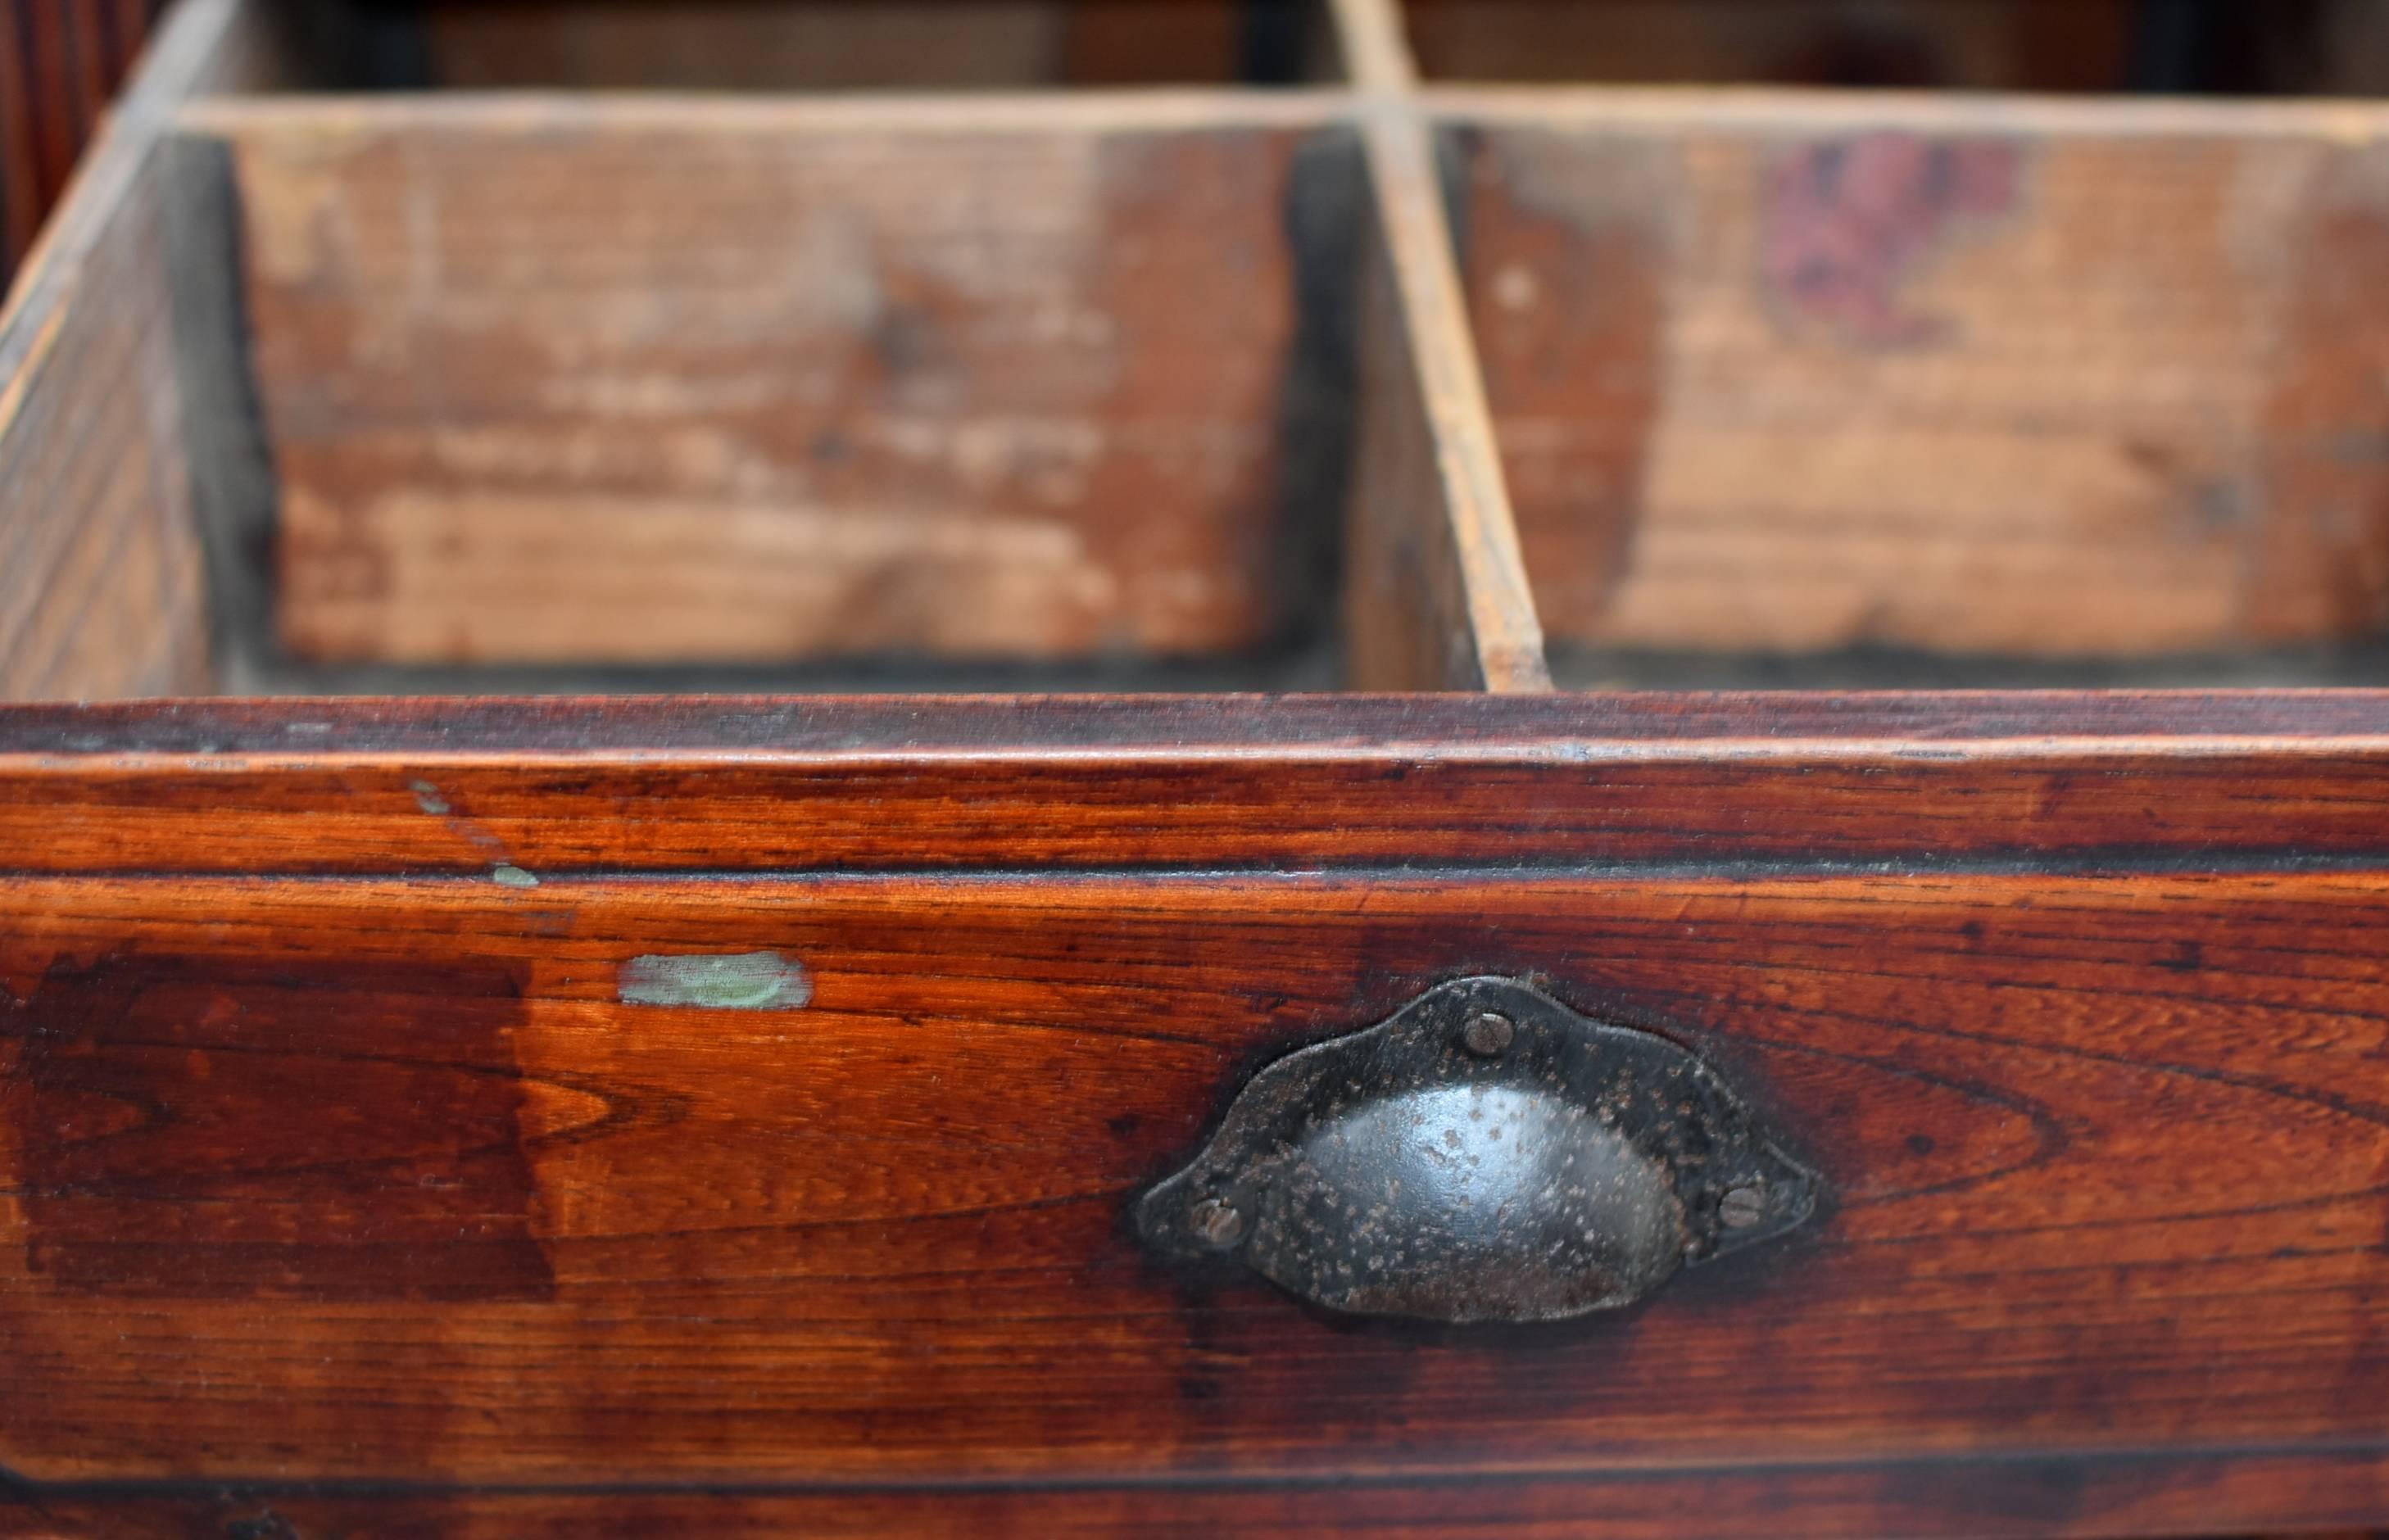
point(729, 783)
point(2099, 1127)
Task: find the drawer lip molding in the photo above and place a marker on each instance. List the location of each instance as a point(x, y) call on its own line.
point(1252, 784)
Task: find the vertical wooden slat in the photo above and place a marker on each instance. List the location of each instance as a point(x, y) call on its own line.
point(1438, 596)
point(100, 591)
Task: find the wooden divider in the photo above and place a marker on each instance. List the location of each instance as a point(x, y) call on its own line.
point(593, 380)
point(1447, 543)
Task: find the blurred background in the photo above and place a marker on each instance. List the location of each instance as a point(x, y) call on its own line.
point(62, 60)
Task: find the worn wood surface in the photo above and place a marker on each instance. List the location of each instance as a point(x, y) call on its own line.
point(1406, 614)
point(101, 591)
point(100, 587)
point(2103, 1130)
point(351, 1178)
point(959, 382)
point(2021, 378)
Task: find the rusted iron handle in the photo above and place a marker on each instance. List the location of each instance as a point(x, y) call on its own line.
point(1486, 1154)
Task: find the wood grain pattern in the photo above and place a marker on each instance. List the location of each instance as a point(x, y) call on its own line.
point(101, 592)
point(2106, 1153)
point(778, 785)
point(1407, 618)
point(2024, 380)
point(850, 384)
point(100, 587)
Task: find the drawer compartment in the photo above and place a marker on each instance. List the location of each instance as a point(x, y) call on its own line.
point(1930, 391)
point(669, 758)
point(752, 386)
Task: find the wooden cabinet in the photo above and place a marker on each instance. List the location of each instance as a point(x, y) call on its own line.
point(668, 746)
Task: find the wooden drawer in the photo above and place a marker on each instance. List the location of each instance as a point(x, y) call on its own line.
point(668, 748)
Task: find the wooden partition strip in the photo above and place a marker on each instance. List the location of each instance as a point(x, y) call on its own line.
point(1438, 597)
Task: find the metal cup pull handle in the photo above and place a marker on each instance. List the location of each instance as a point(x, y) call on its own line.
point(1485, 1154)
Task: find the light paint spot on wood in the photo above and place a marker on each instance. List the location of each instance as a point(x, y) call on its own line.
point(428, 797)
point(512, 876)
point(739, 981)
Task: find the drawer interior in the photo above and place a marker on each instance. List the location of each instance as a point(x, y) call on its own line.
point(1832, 391)
point(755, 389)
point(1380, 385)
point(724, 1115)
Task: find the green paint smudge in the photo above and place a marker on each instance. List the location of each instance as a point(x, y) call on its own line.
point(736, 981)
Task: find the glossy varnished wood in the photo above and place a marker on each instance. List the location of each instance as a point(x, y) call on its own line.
point(375, 1156)
point(731, 783)
point(2103, 1131)
point(391, 1163)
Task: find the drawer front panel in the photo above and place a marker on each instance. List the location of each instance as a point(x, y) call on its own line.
point(433, 1179)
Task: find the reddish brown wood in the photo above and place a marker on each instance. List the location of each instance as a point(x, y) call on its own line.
point(380, 1170)
point(347, 1185)
point(2104, 1153)
point(730, 783)
point(60, 60)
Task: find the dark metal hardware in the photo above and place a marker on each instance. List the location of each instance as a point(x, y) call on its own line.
point(1486, 1154)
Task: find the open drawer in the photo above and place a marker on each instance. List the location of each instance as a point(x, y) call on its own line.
point(686, 771)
